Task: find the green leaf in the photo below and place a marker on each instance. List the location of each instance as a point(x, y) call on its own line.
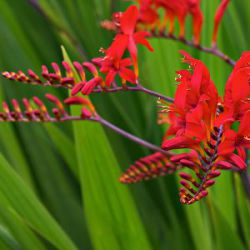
point(112, 218)
point(24, 236)
point(28, 207)
point(243, 206)
point(226, 237)
point(64, 146)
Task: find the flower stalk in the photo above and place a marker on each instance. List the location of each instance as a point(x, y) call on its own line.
point(213, 50)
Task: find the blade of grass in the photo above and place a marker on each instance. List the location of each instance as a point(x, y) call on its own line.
point(25, 203)
point(8, 238)
point(243, 206)
point(111, 214)
point(64, 146)
point(22, 233)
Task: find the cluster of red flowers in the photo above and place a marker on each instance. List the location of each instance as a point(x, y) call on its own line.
point(199, 119)
point(202, 121)
point(177, 9)
point(103, 69)
point(113, 62)
point(132, 29)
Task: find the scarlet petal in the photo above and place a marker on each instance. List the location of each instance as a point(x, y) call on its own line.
point(110, 77)
point(132, 50)
point(128, 75)
point(178, 142)
point(244, 128)
point(197, 77)
point(227, 146)
point(242, 153)
point(224, 118)
point(139, 38)
point(194, 125)
point(117, 48)
point(129, 19)
point(125, 62)
point(180, 96)
point(242, 90)
point(237, 161)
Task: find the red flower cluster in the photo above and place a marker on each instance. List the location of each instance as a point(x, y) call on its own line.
point(202, 121)
point(177, 9)
point(103, 69)
point(215, 129)
point(114, 63)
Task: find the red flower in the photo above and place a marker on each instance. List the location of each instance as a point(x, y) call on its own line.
point(200, 120)
point(237, 140)
point(236, 100)
point(192, 114)
point(113, 66)
point(128, 38)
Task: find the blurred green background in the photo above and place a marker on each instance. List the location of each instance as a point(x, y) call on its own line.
point(59, 184)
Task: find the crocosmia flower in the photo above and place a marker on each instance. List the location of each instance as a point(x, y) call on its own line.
point(128, 38)
point(202, 121)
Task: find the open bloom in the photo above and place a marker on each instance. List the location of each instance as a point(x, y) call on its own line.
point(202, 121)
point(237, 140)
point(128, 38)
point(237, 93)
point(116, 66)
point(197, 110)
point(194, 108)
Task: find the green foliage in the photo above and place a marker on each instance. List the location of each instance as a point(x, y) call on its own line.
point(59, 184)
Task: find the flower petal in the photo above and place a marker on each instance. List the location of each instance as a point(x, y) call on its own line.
point(129, 19)
point(118, 47)
point(110, 77)
point(128, 75)
point(139, 38)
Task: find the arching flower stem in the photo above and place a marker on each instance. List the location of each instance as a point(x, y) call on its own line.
point(130, 136)
point(138, 88)
point(213, 50)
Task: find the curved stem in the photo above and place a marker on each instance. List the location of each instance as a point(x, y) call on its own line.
point(156, 94)
point(130, 136)
point(138, 88)
point(213, 50)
